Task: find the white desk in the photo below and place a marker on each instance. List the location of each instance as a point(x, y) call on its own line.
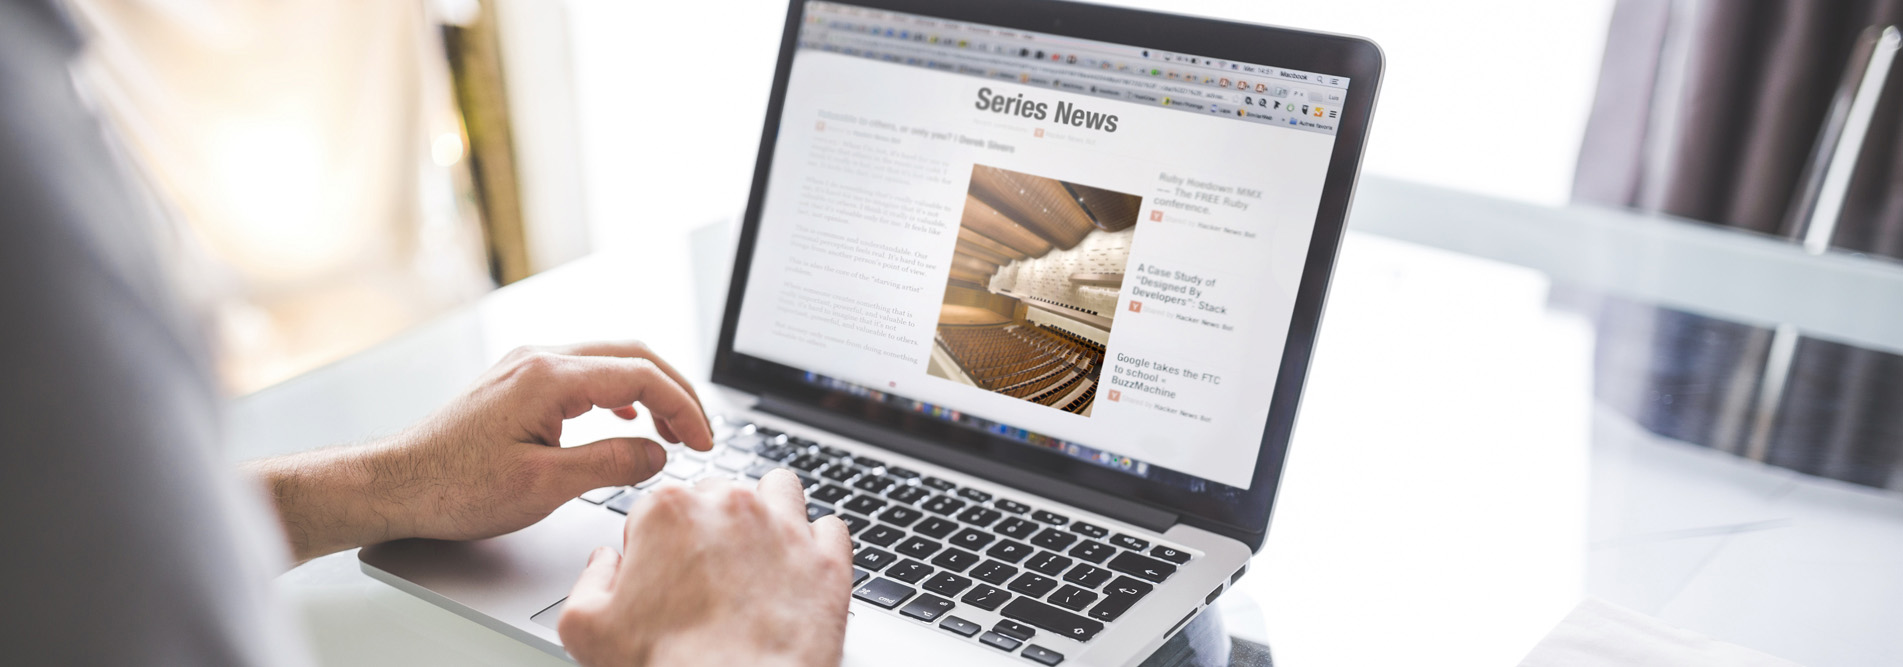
point(1453, 488)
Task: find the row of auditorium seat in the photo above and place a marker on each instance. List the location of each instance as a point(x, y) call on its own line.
point(1036, 363)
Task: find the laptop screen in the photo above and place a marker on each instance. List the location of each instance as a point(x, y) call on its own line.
point(1087, 247)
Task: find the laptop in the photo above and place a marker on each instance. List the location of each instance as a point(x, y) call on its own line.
point(1025, 293)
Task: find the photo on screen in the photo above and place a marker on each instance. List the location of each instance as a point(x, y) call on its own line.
point(1033, 287)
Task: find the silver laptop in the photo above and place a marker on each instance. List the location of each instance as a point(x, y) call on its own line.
point(1025, 293)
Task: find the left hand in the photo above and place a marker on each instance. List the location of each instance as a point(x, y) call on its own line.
point(490, 462)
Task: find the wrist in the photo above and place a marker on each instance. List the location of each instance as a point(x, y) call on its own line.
point(333, 499)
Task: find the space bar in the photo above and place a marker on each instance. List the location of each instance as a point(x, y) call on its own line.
point(1047, 617)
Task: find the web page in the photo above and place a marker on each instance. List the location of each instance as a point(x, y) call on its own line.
point(1097, 244)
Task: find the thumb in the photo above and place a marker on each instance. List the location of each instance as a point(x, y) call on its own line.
point(611, 462)
point(597, 579)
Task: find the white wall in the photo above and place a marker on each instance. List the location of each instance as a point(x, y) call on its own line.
point(1049, 276)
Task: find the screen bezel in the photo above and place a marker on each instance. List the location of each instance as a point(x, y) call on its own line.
point(1243, 515)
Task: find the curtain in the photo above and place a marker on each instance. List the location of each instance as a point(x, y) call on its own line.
point(1710, 110)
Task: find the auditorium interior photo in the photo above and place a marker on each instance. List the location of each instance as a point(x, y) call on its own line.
point(1033, 287)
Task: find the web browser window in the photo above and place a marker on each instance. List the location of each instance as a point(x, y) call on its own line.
point(1084, 246)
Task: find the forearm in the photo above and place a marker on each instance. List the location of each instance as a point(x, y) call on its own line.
point(329, 500)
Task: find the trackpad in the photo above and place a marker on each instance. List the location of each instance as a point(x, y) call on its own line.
point(551, 616)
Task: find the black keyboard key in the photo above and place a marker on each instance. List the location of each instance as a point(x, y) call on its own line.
point(1011, 506)
point(955, 559)
point(815, 511)
point(935, 527)
point(937, 483)
point(1088, 576)
point(971, 538)
point(1014, 629)
point(1053, 539)
point(1130, 543)
point(833, 452)
point(1088, 530)
point(984, 597)
point(1073, 598)
point(873, 559)
point(979, 516)
point(900, 516)
point(901, 473)
point(829, 494)
point(863, 504)
point(959, 626)
point(1142, 567)
point(883, 592)
point(928, 607)
point(1091, 552)
point(882, 535)
point(1032, 584)
point(1015, 527)
point(908, 494)
point(874, 484)
point(994, 572)
point(918, 547)
point(943, 505)
point(761, 468)
point(1052, 518)
point(1176, 556)
point(946, 584)
point(1118, 598)
point(806, 462)
point(859, 575)
point(1048, 563)
point(854, 523)
point(807, 481)
point(909, 571)
point(1049, 618)
point(974, 495)
point(998, 641)
point(775, 452)
point(867, 462)
point(1042, 656)
point(1009, 551)
point(839, 473)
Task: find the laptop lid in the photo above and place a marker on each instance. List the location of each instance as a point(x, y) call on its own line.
point(1088, 243)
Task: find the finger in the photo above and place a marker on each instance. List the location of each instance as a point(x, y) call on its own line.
point(597, 580)
point(667, 432)
point(639, 350)
point(627, 412)
point(611, 462)
point(830, 533)
point(611, 382)
point(781, 492)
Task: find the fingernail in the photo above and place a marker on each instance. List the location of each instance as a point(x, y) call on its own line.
point(657, 457)
point(595, 555)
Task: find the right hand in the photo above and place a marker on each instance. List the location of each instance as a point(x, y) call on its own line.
point(716, 575)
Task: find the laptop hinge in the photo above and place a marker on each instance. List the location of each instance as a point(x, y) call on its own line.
point(1141, 515)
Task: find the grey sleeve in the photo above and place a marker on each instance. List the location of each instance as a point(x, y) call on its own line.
point(126, 541)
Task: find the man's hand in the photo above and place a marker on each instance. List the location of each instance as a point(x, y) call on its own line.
point(490, 462)
point(716, 575)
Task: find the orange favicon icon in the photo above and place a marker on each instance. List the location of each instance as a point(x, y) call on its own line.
point(1136, 306)
point(1116, 395)
point(1156, 216)
point(1039, 132)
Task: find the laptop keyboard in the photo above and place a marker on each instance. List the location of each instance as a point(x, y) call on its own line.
point(926, 548)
